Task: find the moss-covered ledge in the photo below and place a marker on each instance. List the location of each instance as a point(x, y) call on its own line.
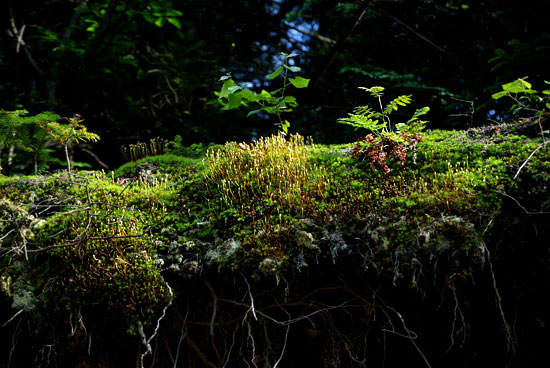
point(268, 251)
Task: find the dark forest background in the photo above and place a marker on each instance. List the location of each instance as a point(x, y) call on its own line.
point(137, 69)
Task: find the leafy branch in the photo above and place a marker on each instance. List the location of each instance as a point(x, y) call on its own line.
point(527, 99)
point(19, 132)
point(275, 102)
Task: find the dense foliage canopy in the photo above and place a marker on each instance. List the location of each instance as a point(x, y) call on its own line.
point(136, 70)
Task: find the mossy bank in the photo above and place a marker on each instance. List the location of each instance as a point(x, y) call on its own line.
point(283, 253)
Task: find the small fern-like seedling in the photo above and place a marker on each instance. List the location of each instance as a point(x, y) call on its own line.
point(385, 140)
point(67, 133)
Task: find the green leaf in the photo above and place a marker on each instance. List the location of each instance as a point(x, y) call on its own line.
point(175, 22)
point(525, 83)
point(294, 69)
point(234, 89)
point(299, 82)
point(517, 86)
point(276, 73)
point(403, 100)
point(422, 111)
point(233, 101)
point(500, 94)
point(290, 56)
point(548, 105)
point(264, 95)
point(375, 91)
point(400, 126)
point(225, 88)
point(285, 126)
point(174, 13)
point(546, 92)
point(250, 113)
point(225, 77)
point(250, 95)
point(291, 101)
point(159, 22)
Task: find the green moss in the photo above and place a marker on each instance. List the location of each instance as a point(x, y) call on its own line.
point(167, 164)
point(264, 209)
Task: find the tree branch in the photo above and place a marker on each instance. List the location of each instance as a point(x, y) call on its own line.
point(340, 42)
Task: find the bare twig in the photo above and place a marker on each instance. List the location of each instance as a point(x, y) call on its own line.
point(439, 48)
point(50, 247)
point(104, 165)
point(528, 158)
point(520, 206)
point(338, 45)
point(320, 37)
point(471, 114)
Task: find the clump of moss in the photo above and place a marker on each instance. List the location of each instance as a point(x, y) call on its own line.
point(98, 237)
point(158, 166)
point(258, 190)
point(263, 208)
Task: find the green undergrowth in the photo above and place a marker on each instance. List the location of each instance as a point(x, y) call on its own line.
point(265, 208)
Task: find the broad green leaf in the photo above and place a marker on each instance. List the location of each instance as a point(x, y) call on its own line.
point(175, 22)
point(276, 73)
point(233, 101)
point(525, 83)
point(294, 69)
point(250, 113)
point(130, 60)
point(234, 89)
point(264, 95)
point(291, 101)
point(548, 105)
point(225, 88)
point(174, 13)
point(285, 126)
point(270, 109)
point(250, 95)
point(225, 77)
point(299, 82)
point(400, 126)
point(546, 92)
point(517, 86)
point(159, 22)
point(500, 94)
